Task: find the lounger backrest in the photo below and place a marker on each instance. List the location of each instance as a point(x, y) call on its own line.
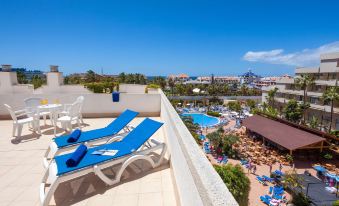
point(122, 120)
point(138, 136)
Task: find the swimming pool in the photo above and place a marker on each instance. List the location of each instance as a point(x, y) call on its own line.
point(202, 119)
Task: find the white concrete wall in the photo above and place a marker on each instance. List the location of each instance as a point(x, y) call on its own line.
point(9, 84)
point(329, 67)
point(95, 105)
point(132, 88)
point(196, 180)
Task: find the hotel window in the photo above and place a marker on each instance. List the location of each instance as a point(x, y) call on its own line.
point(313, 100)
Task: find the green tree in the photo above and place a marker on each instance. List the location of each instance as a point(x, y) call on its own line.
point(234, 106)
point(171, 84)
point(90, 76)
point(314, 122)
point(21, 77)
point(37, 81)
point(179, 88)
point(236, 181)
point(122, 77)
point(228, 142)
point(159, 81)
point(292, 111)
point(330, 96)
point(271, 95)
point(244, 90)
point(250, 103)
point(304, 81)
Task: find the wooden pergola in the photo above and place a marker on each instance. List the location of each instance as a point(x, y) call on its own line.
point(284, 135)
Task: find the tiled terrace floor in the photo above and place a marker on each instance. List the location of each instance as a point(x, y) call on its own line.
point(21, 171)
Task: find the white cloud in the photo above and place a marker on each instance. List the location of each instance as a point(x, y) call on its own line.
point(306, 57)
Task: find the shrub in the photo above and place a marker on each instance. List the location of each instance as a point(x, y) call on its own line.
point(102, 87)
point(335, 133)
point(196, 137)
point(153, 86)
point(289, 158)
point(214, 114)
point(336, 203)
point(300, 199)
point(328, 156)
point(236, 181)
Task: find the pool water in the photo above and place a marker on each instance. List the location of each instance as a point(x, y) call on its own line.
point(202, 119)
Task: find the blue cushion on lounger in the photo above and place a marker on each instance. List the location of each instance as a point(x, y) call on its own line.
point(76, 156)
point(74, 136)
point(112, 129)
point(134, 140)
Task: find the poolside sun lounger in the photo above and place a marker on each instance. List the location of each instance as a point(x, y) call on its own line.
point(266, 199)
point(61, 144)
point(261, 180)
point(135, 146)
point(268, 178)
point(278, 173)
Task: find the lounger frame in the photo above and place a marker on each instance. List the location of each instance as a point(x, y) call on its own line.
point(52, 180)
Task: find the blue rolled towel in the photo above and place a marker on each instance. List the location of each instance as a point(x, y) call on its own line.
point(77, 155)
point(74, 136)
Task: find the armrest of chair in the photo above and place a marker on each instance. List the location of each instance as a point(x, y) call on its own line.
point(23, 112)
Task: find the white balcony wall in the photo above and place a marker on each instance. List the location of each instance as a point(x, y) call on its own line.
point(329, 67)
point(95, 105)
point(132, 88)
point(196, 180)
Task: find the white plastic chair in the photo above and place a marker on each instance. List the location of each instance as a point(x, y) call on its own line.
point(72, 114)
point(32, 107)
point(80, 99)
point(28, 118)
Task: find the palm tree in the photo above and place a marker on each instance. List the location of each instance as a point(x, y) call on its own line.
point(331, 95)
point(244, 90)
point(303, 82)
point(171, 84)
point(271, 94)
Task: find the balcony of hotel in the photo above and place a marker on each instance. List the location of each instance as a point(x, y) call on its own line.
point(185, 177)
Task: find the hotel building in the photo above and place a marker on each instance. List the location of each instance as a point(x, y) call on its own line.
point(325, 76)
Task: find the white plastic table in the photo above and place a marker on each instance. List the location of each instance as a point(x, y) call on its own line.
point(53, 109)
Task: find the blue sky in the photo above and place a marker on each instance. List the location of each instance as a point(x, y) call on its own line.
point(164, 37)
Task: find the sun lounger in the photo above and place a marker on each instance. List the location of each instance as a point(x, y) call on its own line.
point(268, 178)
point(261, 180)
point(266, 199)
point(62, 143)
point(135, 146)
point(278, 173)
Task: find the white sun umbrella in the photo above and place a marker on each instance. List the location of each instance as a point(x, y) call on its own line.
point(196, 90)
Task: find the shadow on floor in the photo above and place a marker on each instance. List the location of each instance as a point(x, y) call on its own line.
point(26, 138)
point(76, 190)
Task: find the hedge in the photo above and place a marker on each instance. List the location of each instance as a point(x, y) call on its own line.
point(214, 114)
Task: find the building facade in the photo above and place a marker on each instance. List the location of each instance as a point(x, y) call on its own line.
point(219, 79)
point(325, 76)
point(249, 77)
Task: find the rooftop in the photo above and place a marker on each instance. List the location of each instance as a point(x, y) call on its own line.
point(22, 170)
